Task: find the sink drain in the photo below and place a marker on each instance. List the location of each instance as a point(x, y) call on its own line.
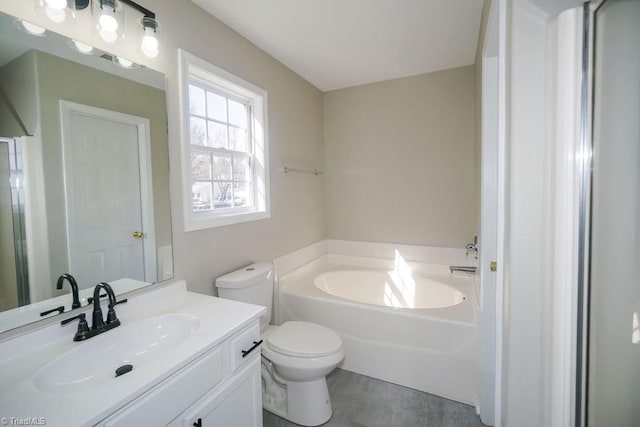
point(123, 370)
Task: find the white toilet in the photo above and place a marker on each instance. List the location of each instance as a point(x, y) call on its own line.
point(296, 356)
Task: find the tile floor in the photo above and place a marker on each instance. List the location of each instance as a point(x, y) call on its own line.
point(360, 401)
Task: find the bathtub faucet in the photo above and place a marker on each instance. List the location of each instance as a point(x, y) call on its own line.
point(462, 268)
point(473, 247)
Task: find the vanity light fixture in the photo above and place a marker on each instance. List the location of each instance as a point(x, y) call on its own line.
point(109, 19)
point(109, 16)
point(150, 46)
point(57, 11)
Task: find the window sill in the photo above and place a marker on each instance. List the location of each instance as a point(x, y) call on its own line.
point(200, 222)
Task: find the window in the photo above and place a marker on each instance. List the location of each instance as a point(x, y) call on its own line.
point(224, 146)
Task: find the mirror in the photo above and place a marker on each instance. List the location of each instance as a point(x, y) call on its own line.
point(84, 174)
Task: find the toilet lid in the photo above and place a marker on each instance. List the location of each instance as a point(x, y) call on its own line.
point(304, 339)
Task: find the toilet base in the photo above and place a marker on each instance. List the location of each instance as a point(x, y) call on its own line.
point(308, 403)
point(305, 403)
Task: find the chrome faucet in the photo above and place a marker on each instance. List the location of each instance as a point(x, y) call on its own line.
point(99, 326)
point(74, 288)
point(473, 247)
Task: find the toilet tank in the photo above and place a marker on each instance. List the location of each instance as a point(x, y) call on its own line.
point(252, 284)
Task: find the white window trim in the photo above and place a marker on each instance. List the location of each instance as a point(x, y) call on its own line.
point(191, 65)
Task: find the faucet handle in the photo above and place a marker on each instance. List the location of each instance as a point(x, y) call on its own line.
point(60, 310)
point(82, 317)
point(111, 316)
point(83, 326)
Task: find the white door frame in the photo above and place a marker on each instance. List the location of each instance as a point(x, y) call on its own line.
point(501, 235)
point(492, 233)
point(489, 235)
point(146, 188)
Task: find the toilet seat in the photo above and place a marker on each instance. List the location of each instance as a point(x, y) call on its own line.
point(303, 339)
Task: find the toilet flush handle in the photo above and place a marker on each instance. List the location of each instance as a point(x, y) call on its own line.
point(256, 344)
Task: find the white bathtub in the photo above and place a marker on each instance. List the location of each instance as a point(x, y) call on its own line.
point(412, 324)
point(390, 289)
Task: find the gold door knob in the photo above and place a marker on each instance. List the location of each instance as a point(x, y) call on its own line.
point(138, 234)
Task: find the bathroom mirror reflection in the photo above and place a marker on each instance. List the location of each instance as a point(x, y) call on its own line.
point(84, 174)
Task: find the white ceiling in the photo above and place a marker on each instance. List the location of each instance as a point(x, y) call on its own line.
point(341, 43)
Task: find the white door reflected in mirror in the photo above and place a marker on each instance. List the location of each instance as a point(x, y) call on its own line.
point(107, 202)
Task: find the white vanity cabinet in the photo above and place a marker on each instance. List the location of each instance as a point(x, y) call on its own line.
point(236, 404)
point(195, 360)
point(220, 388)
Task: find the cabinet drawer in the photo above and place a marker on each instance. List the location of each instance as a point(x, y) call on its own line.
point(161, 404)
point(244, 345)
point(237, 402)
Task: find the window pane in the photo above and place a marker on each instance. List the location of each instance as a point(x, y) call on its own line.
point(196, 100)
point(217, 135)
point(222, 195)
point(222, 168)
point(200, 166)
point(216, 106)
point(198, 132)
point(237, 114)
point(238, 139)
point(242, 194)
point(201, 196)
point(241, 169)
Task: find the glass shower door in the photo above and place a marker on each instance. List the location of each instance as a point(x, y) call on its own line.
point(14, 280)
point(613, 367)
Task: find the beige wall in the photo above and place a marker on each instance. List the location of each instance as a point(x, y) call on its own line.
point(486, 8)
point(18, 83)
point(400, 160)
point(295, 138)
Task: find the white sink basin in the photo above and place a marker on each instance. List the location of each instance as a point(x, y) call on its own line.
point(95, 361)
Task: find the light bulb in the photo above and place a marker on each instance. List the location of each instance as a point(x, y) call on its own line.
point(108, 22)
point(108, 18)
point(55, 14)
point(124, 63)
point(108, 36)
point(56, 4)
point(149, 44)
point(34, 29)
point(83, 47)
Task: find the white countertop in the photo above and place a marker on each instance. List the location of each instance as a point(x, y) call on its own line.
point(22, 357)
